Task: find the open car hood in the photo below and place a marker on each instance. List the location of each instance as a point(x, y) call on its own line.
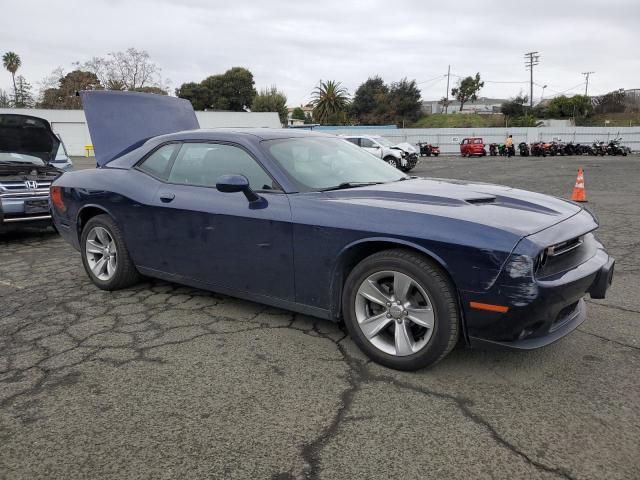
point(121, 121)
point(27, 135)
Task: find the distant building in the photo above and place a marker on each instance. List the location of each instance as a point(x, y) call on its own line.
point(482, 105)
point(294, 122)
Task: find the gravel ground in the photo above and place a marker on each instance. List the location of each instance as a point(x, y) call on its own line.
point(162, 381)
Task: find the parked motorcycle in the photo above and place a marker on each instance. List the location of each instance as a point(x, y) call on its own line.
point(493, 149)
point(616, 148)
point(524, 149)
point(599, 148)
point(538, 150)
point(426, 150)
point(552, 148)
point(584, 149)
point(570, 149)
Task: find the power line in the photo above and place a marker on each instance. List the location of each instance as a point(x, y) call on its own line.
point(493, 81)
point(431, 79)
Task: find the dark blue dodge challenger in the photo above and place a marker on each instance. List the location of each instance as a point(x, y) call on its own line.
point(311, 223)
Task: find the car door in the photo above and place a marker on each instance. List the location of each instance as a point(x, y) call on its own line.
point(464, 146)
point(222, 239)
point(371, 147)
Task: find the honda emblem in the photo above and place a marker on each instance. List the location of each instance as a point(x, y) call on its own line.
point(31, 184)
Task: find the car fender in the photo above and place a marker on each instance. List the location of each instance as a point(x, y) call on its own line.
point(392, 152)
point(337, 280)
point(94, 206)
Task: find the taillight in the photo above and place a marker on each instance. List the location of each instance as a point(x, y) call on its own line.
point(56, 199)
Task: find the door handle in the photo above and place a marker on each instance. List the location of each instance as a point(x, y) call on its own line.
point(166, 197)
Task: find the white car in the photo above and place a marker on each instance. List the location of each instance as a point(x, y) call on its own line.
point(398, 156)
point(62, 160)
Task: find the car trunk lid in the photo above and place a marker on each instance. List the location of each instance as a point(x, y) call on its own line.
point(121, 121)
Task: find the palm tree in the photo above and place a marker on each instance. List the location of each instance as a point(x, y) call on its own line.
point(12, 62)
point(330, 100)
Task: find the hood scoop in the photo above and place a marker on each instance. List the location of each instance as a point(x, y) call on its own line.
point(481, 200)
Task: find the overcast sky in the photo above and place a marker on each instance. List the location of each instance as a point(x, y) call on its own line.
point(293, 44)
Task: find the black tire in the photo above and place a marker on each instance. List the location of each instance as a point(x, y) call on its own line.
point(125, 271)
point(434, 281)
point(436, 154)
point(392, 161)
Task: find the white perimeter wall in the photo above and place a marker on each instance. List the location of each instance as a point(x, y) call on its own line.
point(449, 138)
point(72, 127)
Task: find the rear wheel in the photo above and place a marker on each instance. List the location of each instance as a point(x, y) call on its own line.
point(105, 256)
point(400, 309)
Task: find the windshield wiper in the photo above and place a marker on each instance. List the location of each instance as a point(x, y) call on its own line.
point(345, 185)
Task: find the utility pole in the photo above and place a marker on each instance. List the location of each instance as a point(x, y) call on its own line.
point(446, 102)
point(532, 59)
point(586, 87)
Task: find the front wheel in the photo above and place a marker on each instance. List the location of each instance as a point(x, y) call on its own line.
point(392, 161)
point(400, 309)
point(105, 256)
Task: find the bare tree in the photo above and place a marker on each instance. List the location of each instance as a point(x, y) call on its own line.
point(128, 70)
point(133, 68)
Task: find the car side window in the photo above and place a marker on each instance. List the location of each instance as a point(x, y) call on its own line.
point(355, 141)
point(157, 164)
point(465, 141)
point(367, 143)
point(202, 164)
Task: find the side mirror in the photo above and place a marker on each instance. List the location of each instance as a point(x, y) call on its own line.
point(236, 183)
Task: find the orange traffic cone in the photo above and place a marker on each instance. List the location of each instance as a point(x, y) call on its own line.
point(579, 193)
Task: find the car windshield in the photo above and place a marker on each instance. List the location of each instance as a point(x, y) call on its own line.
point(321, 163)
point(6, 157)
point(61, 155)
point(384, 142)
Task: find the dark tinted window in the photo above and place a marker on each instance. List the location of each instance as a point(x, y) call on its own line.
point(366, 143)
point(202, 164)
point(157, 164)
point(353, 140)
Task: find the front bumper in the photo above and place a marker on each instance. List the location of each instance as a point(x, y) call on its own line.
point(541, 311)
point(17, 211)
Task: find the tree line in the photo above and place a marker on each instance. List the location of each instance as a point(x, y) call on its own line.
point(130, 70)
point(374, 102)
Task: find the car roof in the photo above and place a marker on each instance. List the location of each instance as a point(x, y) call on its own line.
point(360, 136)
point(229, 133)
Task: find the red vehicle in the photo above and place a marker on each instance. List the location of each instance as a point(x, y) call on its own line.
point(472, 146)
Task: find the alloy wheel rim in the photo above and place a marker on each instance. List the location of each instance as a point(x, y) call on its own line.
point(101, 253)
point(394, 313)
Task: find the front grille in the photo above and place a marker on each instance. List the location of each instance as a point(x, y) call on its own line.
point(19, 189)
point(565, 255)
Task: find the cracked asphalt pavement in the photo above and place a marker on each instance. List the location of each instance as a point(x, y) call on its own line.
point(162, 381)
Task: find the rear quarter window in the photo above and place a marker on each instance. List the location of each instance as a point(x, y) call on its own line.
point(157, 164)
